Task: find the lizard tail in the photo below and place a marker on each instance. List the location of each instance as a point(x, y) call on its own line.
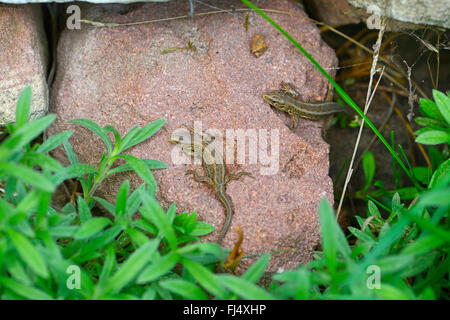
point(226, 201)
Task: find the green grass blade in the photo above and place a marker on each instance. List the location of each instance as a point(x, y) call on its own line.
point(341, 92)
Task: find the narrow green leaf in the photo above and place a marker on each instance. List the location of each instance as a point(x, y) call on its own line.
point(141, 169)
point(171, 212)
point(138, 237)
point(76, 170)
point(429, 109)
point(159, 267)
point(83, 210)
point(437, 197)
point(114, 131)
point(423, 174)
point(108, 265)
point(361, 235)
point(28, 253)
point(205, 278)
point(328, 231)
point(121, 200)
point(150, 163)
point(23, 290)
point(189, 223)
point(23, 108)
point(443, 104)
point(107, 205)
point(369, 169)
point(54, 141)
point(184, 288)
point(97, 242)
point(373, 209)
point(28, 176)
point(440, 174)
point(390, 292)
point(96, 129)
point(202, 249)
point(394, 264)
point(131, 268)
point(201, 228)
point(143, 134)
point(152, 211)
point(244, 288)
point(70, 153)
point(256, 270)
point(24, 135)
point(17, 271)
point(63, 231)
point(129, 135)
point(92, 227)
point(44, 161)
point(428, 122)
point(433, 137)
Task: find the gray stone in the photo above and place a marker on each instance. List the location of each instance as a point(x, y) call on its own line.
point(430, 12)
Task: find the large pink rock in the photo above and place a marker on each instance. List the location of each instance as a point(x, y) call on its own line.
point(118, 76)
point(23, 60)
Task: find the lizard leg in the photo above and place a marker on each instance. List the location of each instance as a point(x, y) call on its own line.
point(203, 179)
point(329, 92)
point(230, 177)
point(294, 119)
point(285, 87)
point(326, 125)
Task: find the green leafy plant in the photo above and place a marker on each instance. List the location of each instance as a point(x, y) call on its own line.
point(73, 254)
point(402, 257)
point(435, 120)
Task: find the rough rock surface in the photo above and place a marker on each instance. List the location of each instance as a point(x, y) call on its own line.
point(404, 15)
point(334, 12)
point(23, 60)
point(118, 76)
point(431, 12)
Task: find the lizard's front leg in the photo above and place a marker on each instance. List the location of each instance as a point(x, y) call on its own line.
point(230, 177)
point(294, 120)
point(197, 177)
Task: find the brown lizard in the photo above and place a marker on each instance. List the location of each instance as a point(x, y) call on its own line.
point(216, 176)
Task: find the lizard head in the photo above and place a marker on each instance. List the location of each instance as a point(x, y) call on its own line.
point(183, 139)
point(276, 98)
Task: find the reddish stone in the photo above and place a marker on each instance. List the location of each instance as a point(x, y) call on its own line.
point(118, 76)
point(23, 60)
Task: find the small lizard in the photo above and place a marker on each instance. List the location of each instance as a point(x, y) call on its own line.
point(216, 171)
point(285, 100)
